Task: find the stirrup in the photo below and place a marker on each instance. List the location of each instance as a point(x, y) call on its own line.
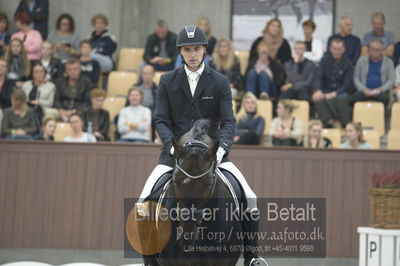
point(258, 261)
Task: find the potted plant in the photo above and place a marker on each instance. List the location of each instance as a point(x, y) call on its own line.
point(385, 200)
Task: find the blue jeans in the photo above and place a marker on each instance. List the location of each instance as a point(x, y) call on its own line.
point(104, 61)
point(260, 82)
point(20, 137)
point(133, 140)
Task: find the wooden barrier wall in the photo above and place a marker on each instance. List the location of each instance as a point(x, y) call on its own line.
point(58, 195)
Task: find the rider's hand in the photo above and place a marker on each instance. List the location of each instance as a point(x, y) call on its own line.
point(220, 154)
point(171, 151)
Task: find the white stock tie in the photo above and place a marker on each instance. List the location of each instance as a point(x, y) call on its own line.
point(193, 78)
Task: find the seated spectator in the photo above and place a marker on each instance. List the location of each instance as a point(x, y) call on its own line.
point(314, 139)
point(334, 82)
point(134, 120)
point(38, 12)
point(396, 90)
point(352, 43)
point(249, 123)
point(4, 35)
point(40, 93)
point(19, 121)
point(314, 47)
point(285, 129)
point(374, 75)
point(6, 86)
point(355, 137)
point(273, 37)
point(72, 91)
point(78, 135)
point(96, 116)
point(160, 50)
point(264, 75)
point(18, 64)
point(148, 87)
point(103, 43)
point(48, 129)
point(31, 39)
point(204, 24)
point(54, 67)
point(300, 75)
point(379, 33)
point(64, 38)
point(396, 56)
point(89, 67)
point(226, 62)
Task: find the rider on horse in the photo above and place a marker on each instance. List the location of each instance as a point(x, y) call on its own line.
point(191, 92)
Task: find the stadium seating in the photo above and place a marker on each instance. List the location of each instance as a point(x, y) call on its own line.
point(243, 56)
point(334, 135)
point(129, 59)
point(395, 119)
point(372, 137)
point(265, 109)
point(120, 82)
point(302, 113)
point(62, 130)
point(393, 142)
point(371, 115)
point(157, 76)
point(113, 105)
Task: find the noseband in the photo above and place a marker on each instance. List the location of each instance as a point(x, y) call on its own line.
point(200, 144)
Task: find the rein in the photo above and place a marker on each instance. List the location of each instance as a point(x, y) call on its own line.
point(194, 176)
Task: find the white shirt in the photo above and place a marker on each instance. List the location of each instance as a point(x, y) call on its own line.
point(86, 137)
point(193, 77)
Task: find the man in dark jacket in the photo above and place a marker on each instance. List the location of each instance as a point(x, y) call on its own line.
point(38, 11)
point(334, 82)
point(72, 91)
point(189, 93)
point(160, 50)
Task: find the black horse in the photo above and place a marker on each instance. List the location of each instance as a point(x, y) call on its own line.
point(210, 235)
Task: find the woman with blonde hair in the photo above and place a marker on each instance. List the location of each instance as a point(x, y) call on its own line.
point(273, 36)
point(226, 62)
point(355, 137)
point(54, 67)
point(249, 123)
point(19, 121)
point(204, 24)
point(314, 139)
point(285, 129)
point(18, 64)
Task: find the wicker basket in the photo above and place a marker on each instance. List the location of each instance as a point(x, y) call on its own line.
point(385, 206)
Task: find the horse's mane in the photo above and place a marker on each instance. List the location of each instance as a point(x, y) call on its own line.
point(198, 132)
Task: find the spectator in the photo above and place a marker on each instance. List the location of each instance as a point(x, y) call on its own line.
point(6, 86)
point(226, 62)
point(160, 50)
point(273, 37)
point(72, 91)
point(135, 120)
point(264, 75)
point(19, 121)
point(40, 93)
point(285, 130)
point(355, 138)
point(378, 32)
point(64, 38)
point(352, 43)
point(89, 67)
point(204, 24)
point(4, 35)
point(148, 87)
point(31, 39)
point(95, 117)
point(314, 47)
point(396, 56)
point(334, 82)
point(18, 64)
point(49, 126)
point(78, 135)
point(374, 75)
point(54, 67)
point(103, 43)
point(396, 90)
point(314, 139)
point(38, 12)
point(249, 123)
point(300, 75)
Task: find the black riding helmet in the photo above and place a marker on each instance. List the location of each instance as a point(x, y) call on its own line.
point(191, 35)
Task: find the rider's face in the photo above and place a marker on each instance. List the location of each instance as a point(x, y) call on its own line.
point(193, 54)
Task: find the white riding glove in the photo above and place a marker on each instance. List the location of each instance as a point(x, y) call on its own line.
point(220, 154)
point(172, 150)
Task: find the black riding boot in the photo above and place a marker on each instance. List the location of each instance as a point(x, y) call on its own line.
point(251, 258)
